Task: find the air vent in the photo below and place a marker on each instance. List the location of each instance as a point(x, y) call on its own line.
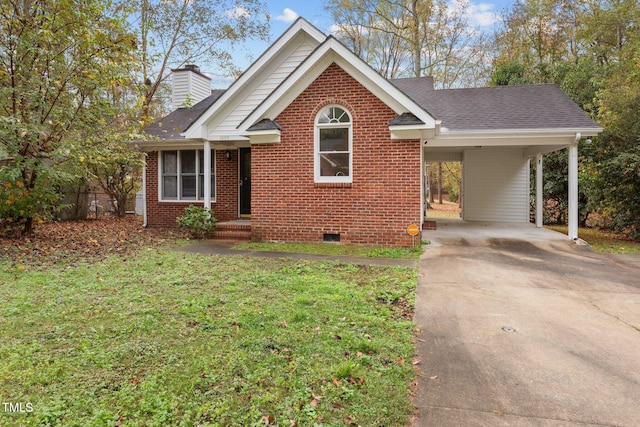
point(331, 237)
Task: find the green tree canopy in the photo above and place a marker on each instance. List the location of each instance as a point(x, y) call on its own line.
point(58, 60)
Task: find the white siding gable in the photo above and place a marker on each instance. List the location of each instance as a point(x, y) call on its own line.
point(260, 87)
point(496, 185)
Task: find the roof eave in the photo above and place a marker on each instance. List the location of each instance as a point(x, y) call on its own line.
point(510, 137)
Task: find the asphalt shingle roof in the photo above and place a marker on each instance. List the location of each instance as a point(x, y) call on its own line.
point(170, 126)
point(266, 124)
point(542, 106)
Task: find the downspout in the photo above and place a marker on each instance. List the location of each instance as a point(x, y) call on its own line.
point(573, 189)
point(144, 192)
point(422, 183)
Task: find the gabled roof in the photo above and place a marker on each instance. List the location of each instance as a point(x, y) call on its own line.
point(247, 109)
point(171, 126)
point(301, 28)
point(333, 51)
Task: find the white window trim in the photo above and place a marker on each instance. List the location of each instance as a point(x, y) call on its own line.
point(316, 146)
point(179, 174)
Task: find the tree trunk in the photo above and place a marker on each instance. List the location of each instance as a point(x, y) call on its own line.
point(28, 227)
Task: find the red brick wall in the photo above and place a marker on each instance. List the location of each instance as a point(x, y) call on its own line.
point(163, 214)
point(384, 198)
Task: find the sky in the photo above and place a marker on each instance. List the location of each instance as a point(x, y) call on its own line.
point(484, 14)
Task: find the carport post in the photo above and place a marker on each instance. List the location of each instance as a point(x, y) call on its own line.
point(539, 190)
point(573, 189)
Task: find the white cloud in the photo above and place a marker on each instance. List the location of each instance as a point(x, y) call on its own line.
point(336, 29)
point(482, 14)
point(238, 12)
point(287, 16)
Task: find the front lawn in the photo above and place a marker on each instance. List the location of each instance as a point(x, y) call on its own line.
point(333, 249)
point(161, 338)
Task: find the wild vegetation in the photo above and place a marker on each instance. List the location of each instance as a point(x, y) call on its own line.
point(80, 80)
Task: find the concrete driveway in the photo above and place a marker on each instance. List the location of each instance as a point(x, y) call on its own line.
point(521, 327)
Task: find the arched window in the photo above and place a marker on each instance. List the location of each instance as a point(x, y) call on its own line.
point(333, 145)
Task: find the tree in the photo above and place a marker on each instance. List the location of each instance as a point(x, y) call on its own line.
point(589, 49)
point(174, 33)
point(58, 58)
point(401, 38)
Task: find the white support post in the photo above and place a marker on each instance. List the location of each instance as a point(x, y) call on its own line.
point(144, 191)
point(539, 189)
point(573, 189)
point(207, 175)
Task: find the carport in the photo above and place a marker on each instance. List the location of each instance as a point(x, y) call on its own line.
point(496, 132)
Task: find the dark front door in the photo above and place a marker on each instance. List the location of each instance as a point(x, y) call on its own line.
point(245, 181)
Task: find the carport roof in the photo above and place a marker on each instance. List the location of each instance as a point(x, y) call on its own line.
point(542, 106)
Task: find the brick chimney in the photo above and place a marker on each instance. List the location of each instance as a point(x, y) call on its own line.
point(189, 82)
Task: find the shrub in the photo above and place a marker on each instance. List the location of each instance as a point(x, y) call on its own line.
point(198, 221)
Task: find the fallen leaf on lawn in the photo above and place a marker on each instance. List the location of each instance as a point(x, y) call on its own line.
point(292, 423)
point(433, 377)
point(417, 361)
point(283, 324)
point(336, 405)
point(313, 403)
point(359, 354)
point(268, 419)
point(400, 361)
point(337, 337)
point(336, 381)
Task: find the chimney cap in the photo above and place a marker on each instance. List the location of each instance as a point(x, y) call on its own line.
point(190, 67)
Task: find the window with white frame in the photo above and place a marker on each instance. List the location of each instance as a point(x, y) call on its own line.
point(333, 137)
point(182, 175)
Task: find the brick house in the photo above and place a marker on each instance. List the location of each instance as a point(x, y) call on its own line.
point(310, 144)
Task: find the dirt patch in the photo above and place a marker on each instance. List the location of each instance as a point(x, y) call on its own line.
point(71, 241)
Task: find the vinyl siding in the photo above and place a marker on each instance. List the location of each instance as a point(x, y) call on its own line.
point(496, 185)
point(259, 90)
point(187, 83)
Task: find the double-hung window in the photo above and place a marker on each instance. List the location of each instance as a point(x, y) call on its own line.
point(333, 135)
point(182, 175)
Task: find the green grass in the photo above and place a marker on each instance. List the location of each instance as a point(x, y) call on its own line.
point(333, 249)
point(175, 339)
point(603, 241)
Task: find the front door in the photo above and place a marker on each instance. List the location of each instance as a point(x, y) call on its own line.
point(245, 181)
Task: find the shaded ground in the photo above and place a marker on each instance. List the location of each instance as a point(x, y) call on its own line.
point(70, 241)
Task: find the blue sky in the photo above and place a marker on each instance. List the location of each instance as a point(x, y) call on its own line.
point(284, 12)
point(483, 14)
